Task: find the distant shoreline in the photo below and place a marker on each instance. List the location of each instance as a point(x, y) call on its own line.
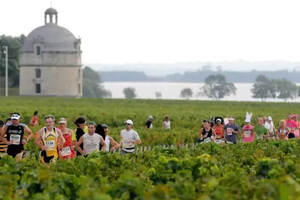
point(197, 76)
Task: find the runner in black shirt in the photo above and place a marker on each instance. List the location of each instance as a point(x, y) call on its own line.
point(15, 136)
point(206, 134)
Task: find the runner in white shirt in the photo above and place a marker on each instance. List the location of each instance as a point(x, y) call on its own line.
point(270, 126)
point(110, 143)
point(129, 138)
point(166, 123)
point(91, 141)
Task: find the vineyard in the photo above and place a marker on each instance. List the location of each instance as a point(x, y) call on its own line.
point(168, 164)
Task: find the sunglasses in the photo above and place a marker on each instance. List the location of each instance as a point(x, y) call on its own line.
point(127, 124)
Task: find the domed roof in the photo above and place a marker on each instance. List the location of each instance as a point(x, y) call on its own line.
point(52, 37)
point(51, 11)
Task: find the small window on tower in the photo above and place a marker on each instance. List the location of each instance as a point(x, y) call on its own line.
point(79, 88)
point(38, 73)
point(38, 88)
point(38, 50)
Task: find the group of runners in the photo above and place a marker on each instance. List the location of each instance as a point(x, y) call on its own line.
point(221, 130)
point(62, 142)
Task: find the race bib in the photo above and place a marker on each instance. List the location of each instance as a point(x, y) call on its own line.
point(272, 134)
point(16, 139)
point(66, 151)
point(127, 144)
point(219, 141)
point(247, 134)
point(206, 140)
point(229, 131)
point(50, 144)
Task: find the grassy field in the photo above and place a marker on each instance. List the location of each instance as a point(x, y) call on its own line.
point(259, 170)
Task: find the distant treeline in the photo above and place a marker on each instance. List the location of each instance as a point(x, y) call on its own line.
point(198, 76)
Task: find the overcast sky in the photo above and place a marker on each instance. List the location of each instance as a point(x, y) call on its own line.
point(168, 31)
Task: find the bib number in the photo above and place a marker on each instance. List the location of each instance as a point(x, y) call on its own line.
point(50, 144)
point(128, 144)
point(16, 139)
point(206, 140)
point(219, 141)
point(247, 134)
point(66, 151)
point(229, 131)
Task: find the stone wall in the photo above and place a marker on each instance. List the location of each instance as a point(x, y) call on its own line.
point(50, 59)
point(55, 81)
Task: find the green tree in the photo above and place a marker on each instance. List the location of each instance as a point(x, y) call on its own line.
point(14, 44)
point(264, 88)
point(129, 93)
point(92, 84)
point(286, 89)
point(186, 93)
point(217, 87)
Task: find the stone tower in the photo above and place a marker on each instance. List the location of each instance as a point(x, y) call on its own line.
point(50, 61)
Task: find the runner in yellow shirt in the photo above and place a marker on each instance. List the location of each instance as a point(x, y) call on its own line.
point(48, 139)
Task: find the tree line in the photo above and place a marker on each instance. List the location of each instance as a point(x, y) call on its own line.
point(217, 87)
point(198, 76)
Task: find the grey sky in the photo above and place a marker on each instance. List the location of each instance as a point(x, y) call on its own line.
point(168, 31)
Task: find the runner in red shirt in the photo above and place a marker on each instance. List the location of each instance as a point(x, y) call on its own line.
point(219, 130)
point(67, 151)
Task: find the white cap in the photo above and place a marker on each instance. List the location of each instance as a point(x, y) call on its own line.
point(129, 121)
point(15, 116)
point(150, 117)
point(230, 118)
point(269, 118)
point(62, 121)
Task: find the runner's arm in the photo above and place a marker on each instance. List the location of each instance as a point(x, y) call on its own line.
point(3, 131)
point(236, 131)
point(200, 134)
point(2, 134)
point(213, 134)
point(27, 130)
point(38, 140)
point(242, 133)
point(78, 148)
point(61, 138)
point(114, 143)
point(138, 141)
point(121, 141)
point(103, 145)
point(276, 134)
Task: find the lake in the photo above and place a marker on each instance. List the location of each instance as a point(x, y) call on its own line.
point(147, 90)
